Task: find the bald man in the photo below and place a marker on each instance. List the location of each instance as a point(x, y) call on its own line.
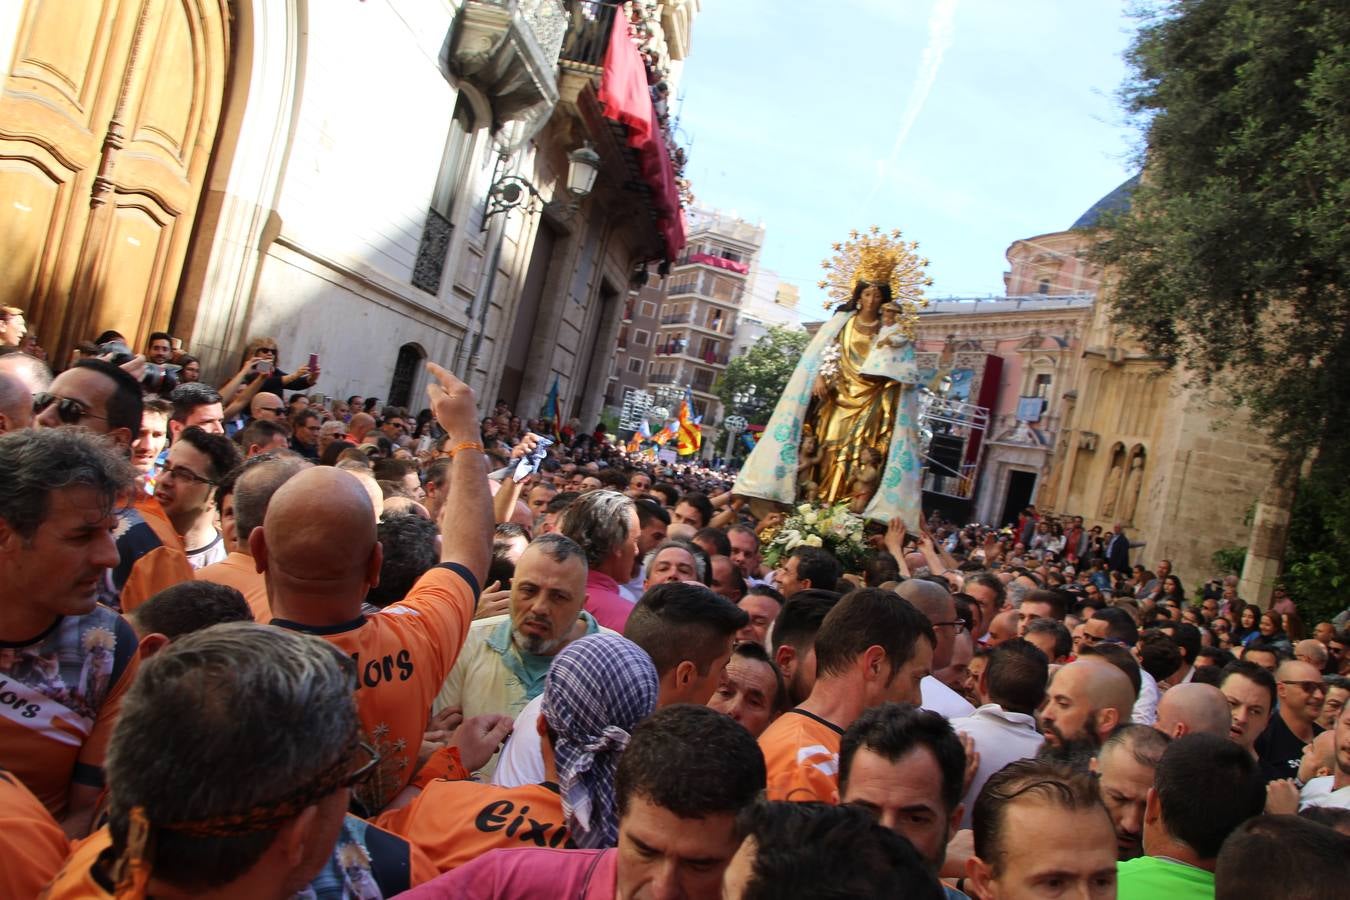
point(1193, 708)
point(363, 424)
point(1301, 692)
point(1003, 628)
point(267, 406)
point(1312, 652)
point(938, 606)
point(318, 553)
point(1087, 700)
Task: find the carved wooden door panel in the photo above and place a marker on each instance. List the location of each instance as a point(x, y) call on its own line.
point(107, 122)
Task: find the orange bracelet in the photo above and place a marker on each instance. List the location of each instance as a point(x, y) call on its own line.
point(465, 445)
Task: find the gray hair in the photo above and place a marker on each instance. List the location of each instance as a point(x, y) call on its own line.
point(558, 547)
point(598, 521)
point(255, 487)
point(700, 556)
point(230, 699)
point(38, 462)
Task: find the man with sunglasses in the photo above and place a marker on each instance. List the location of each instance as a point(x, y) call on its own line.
point(1301, 693)
point(267, 406)
point(394, 423)
point(279, 707)
point(197, 462)
point(100, 397)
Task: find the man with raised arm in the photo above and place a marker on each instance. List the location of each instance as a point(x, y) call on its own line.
point(318, 551)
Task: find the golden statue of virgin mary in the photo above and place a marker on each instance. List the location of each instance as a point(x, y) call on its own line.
point(845, 428)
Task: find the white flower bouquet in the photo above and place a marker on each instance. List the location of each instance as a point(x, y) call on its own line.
point(832, 528)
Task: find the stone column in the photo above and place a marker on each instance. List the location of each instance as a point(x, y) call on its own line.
point(1270, 531)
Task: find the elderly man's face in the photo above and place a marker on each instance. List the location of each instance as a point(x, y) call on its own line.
point(670, 565)
point(546, 598)
point(747, 693)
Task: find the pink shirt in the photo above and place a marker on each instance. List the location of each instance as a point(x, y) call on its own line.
point(604, 601)
point(527, 875)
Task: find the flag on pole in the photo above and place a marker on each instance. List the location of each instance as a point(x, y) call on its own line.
point(666, 433)
point(690, 432)
point(553, 409)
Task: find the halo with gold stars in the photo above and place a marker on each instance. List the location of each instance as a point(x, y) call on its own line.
point(880, 258)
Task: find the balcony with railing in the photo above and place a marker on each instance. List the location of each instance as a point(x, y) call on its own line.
point(604, 80)
point(508, 50)
point(712, 286)
point(676, 318)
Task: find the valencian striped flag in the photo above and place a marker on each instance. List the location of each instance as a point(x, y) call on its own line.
point(691, 432)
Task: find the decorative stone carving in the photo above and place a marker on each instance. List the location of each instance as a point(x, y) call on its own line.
point(508, 49)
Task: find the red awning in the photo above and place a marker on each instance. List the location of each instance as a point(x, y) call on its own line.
point(626, 99)
point(709, 260)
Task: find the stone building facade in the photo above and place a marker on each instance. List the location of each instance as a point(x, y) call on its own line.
point(1181, 471)
point(1013, 355)
point(323, 172)
point(702, 300)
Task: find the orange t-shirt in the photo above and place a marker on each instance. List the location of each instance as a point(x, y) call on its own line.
point(162, 567)
point(59, 697)
point(239, 571)
point(801, 755)
point(453, 822)
point(32, 844)
point(402, 656)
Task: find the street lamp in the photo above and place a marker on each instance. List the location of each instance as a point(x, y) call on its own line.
point(734, 426)
point(512, 191)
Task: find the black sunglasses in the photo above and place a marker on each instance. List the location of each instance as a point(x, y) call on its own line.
point(68, 410)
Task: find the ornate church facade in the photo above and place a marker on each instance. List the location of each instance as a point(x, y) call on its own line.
point(1088, 424)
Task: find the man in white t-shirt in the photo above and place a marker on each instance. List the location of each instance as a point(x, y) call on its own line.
point(1004, 729)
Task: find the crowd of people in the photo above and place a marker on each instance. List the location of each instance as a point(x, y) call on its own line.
point(256, 641)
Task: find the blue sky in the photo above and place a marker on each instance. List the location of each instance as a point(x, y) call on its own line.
point(965, 123)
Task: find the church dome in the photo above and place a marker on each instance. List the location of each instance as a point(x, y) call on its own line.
point(1114, 202)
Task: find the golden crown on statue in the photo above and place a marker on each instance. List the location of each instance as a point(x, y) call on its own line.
point(879, 258)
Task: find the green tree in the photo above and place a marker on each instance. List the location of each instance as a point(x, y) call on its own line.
point(1234, 259)
point(761, 373)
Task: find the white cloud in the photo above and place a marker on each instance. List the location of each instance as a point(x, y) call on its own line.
point(941, 31)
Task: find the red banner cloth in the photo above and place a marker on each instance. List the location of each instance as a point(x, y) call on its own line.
point(709, 260)
point(627, 100)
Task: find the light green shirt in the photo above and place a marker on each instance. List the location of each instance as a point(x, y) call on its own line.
point(1152, 878)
